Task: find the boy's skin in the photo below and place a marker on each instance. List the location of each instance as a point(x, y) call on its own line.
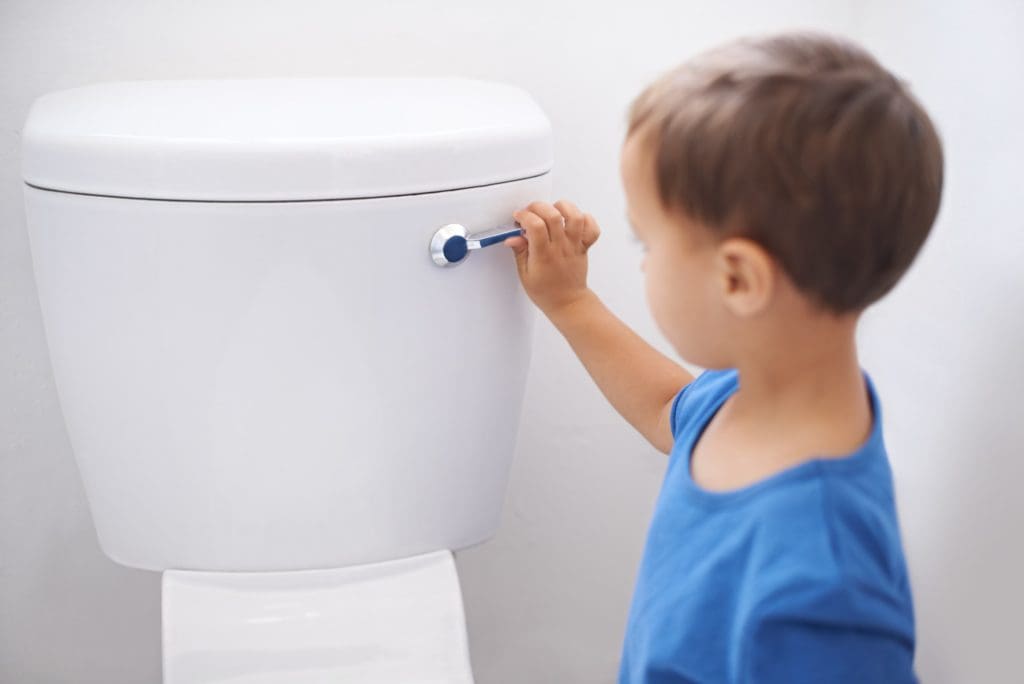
point(721, 304)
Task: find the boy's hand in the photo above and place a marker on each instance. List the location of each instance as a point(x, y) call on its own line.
point(552, 257)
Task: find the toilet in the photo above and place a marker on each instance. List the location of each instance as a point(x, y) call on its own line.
point(276, 397)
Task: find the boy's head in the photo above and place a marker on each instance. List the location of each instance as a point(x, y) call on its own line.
point(772, 178)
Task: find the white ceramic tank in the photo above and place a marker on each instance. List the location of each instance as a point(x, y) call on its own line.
point(259, 365)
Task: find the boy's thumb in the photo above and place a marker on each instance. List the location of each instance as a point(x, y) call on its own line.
point(518, 245)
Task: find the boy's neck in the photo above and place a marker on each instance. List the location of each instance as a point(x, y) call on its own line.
point(809, 370)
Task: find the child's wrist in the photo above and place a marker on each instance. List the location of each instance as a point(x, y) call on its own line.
point(570, 308)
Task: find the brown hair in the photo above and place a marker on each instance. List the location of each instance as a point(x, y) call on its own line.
point(805, 144)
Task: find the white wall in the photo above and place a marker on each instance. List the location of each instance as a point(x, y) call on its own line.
point(947, 344)
point(546, 600)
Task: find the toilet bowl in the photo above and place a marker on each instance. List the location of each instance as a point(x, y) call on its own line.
point(274, 395)
point(395, 621)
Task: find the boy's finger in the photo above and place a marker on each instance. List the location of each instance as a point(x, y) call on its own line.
point(519, 249)
point(553, 218)
point(573, 220)
point(536, 231)
point(591, 231)
point(518, 244)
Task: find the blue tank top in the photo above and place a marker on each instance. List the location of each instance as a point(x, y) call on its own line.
point(799, 577)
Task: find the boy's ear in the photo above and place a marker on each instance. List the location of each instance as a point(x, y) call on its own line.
point(746, 276)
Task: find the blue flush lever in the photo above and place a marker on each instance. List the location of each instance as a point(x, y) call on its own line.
point(452, 243)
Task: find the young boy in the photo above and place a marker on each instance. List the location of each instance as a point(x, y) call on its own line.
point(779, 187)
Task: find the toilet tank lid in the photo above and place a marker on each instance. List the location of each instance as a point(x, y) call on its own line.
point(283, 138)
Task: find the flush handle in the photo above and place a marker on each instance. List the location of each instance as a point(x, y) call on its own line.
point(451, 244)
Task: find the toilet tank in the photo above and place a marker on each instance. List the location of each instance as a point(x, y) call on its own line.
point(259, 365)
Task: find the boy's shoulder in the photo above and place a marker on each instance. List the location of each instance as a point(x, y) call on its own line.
point(696, 404)
point(702, 395)
point(837, 514)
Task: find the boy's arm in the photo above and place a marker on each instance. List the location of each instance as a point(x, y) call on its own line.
point(551, 258)
point(638, 380)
